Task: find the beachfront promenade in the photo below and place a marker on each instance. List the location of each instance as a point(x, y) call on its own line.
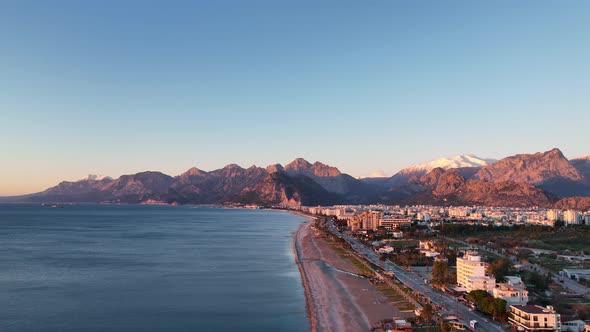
point(416, 283)
point(338, 298)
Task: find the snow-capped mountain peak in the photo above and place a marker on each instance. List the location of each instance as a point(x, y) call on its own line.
point(467, 160)
point(586, 157)
point(96, 177)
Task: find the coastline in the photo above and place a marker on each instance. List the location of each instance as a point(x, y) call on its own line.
point(311, 315)
point(337, 297)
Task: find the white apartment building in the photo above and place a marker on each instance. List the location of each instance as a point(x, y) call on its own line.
point(390, 222)
point(513, 291)
point(372, 220)
point(482, 283)
point(471, 273)
point(571, 217)
point(553, 215)
point(534, 318)
point(423, 216)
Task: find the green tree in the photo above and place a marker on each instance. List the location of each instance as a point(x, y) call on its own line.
point(538, 281)
point(427, 312)
point(477, 295)
point(440, 273)
point(486, 303)
point(497, 308)
point(500, 268)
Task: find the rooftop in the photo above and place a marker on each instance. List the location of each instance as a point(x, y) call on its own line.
point(533, 309)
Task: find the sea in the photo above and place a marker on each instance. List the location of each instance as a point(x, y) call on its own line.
point(148, 268)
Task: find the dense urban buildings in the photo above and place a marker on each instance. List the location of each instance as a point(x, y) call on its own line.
point(380, 226)
point(391, 217)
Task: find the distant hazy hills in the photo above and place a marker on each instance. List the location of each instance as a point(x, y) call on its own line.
point(521, 180)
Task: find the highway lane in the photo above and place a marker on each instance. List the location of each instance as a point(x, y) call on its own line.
point(417, 284)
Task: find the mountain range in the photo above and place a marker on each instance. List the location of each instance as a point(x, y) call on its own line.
point(540, 179)
point(464, 163)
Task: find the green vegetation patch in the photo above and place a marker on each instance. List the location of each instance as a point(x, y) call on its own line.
point(403, 244)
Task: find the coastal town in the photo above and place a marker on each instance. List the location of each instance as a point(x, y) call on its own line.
point(440, 268)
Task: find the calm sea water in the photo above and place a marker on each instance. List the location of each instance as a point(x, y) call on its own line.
point(148, 268)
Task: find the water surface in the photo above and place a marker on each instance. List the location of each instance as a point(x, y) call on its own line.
point(148, 268)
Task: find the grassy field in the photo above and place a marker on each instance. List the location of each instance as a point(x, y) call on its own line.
point(403, 243)
point(557, 265)
point(392, 295)
point(571, 238)
point(362, 268)
point(395, 298)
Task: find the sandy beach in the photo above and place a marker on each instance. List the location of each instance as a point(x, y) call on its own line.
point(337, 299)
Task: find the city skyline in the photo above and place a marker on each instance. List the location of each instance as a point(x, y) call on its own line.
point(363, 87)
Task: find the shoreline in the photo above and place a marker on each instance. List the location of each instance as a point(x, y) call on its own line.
point(338, 297)
point(310, 308)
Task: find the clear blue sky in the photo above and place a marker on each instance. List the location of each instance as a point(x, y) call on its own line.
point(117, 87)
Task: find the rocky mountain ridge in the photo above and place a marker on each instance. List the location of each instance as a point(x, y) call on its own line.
point(522, 180)
point(467, 161)
point(451, 188)
point(297, 183)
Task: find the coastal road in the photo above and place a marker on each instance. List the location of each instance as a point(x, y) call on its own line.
point(417, 284)
point(338, 298)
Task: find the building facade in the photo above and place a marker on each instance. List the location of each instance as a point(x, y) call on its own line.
point(534, 318)
point(513, 291)
point(552, 215)
point(471, 273)
point(366, 220)
point(574, 325)
point(394, 223)
point(571, 217)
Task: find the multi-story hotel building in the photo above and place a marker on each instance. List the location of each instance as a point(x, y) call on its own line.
point(534, 318)
point(471, 273)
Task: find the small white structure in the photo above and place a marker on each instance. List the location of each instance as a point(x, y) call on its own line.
point(576, 274)
point(513, 291)
point(576, 325)
point(386, 250)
